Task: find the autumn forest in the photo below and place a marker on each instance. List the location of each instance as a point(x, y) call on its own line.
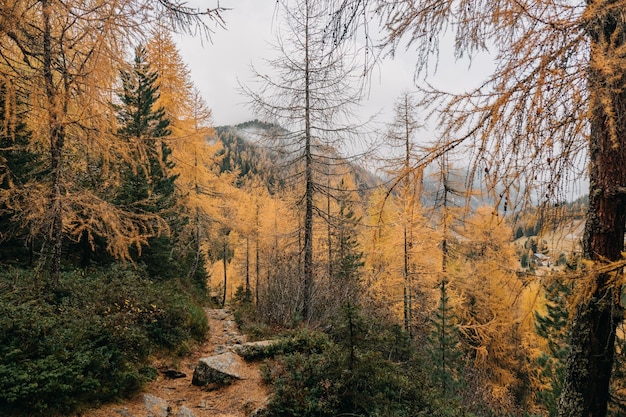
point(466, 274)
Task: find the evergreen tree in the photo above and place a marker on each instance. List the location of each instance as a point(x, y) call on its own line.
point(443, 345)
point(144, 126)
point(150, 187)
point(348, 258)
point(18, 166)
point(552, 327)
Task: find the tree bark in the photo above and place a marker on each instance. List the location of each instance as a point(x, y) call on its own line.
point(589, 364)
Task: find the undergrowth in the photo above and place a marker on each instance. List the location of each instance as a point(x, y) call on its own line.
point(357, 367)
point(88, 340)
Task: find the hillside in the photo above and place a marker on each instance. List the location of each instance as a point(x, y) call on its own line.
point(252, 149)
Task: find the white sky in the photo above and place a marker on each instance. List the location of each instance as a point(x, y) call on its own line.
point(217, 66)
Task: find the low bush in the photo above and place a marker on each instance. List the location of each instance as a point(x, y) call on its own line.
point(87, 341)
point(317, 377)
point(362, 368)
point(301, 341)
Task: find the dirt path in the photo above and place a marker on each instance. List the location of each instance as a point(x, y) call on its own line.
point(167, 397)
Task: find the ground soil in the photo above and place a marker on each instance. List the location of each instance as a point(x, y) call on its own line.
point(239, 399)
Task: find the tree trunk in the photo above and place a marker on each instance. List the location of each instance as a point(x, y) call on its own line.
point(54, 236)
point(256, 261)
point(225, 264)
point(308, 197)
point(589, 364)
point(247, 295)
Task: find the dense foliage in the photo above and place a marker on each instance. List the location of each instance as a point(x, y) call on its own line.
point(89, 340)
point(374, 372)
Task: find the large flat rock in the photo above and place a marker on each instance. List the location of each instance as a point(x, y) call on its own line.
point(219, 370)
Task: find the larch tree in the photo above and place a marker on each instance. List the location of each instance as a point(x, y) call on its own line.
point(554, 100)
point(63, 56)
point(401, 134)
point(199, 184)
point(312, 98)
point(483, 273)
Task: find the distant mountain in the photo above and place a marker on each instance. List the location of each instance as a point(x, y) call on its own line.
point(249, 151)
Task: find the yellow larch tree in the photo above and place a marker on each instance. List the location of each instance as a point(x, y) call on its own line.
point(64, 56)
point(200, 187)
point(383, 242)
point(382, 280)
point(483, 274)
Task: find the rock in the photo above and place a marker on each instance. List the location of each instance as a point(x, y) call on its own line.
point(235, 340)
point(185, 412)
point(157, 407)
point(173, 374)
point(220, 349)
point(253, 350)
point(219, 370)
point(218, 314)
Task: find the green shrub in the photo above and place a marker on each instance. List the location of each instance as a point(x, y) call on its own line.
point(313, 376)
point(88, 341)
point(302, 341)
point(303, 385)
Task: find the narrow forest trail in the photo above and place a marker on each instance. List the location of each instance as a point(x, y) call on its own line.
point(167, 397)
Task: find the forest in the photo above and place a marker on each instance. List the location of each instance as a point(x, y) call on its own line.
point(461, 275)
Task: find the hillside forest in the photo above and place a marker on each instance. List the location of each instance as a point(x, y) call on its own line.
point(459, 275)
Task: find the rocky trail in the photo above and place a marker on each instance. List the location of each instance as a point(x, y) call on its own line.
point(172, 394)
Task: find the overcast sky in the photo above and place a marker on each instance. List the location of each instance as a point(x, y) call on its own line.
point(217, 66)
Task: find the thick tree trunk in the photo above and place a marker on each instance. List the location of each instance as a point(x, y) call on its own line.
point(589, 365)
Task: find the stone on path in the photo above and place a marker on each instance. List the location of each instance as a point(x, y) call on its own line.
point(156, 407)
point(185, 412)
point(219, 370)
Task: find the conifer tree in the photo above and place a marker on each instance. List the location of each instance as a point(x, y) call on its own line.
point(144, 126)
point(401, 135)
point(148, 187)
point(312, 97)
point(348, 258)
point(552, 327)
point(443, 345)
point(18, 165)
point(199, 185)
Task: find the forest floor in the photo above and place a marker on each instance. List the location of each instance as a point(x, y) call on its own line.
point(165, 397)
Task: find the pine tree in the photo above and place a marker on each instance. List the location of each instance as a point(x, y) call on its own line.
point(348, 259)
point(150, 186)
point(443, 345)
point(18, 166)
point(552, 327)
